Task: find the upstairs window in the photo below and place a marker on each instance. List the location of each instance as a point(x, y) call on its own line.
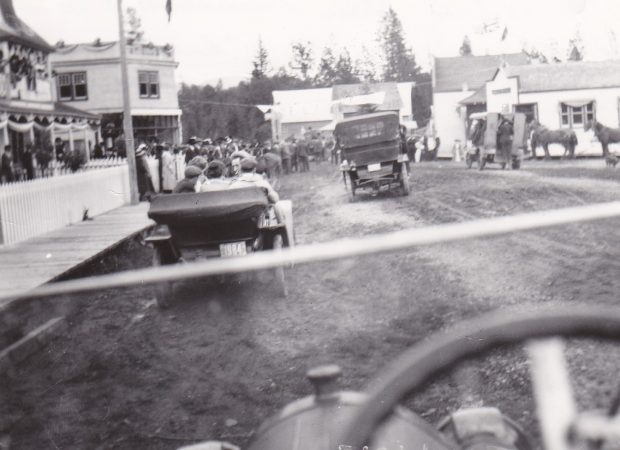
point(72, 86)
point(148, 84)
point(574, 114)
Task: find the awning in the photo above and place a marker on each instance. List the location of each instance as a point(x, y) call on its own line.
point(55, 110)
point(477, 98)
point(577, 103)
point(331, 126)
point(156, 112)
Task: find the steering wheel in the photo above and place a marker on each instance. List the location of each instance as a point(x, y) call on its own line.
point(560, 424)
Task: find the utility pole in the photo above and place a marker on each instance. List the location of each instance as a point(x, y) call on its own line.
point(127, 122)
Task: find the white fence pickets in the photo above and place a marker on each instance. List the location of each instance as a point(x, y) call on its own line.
point(32, 208)
point(35, 207)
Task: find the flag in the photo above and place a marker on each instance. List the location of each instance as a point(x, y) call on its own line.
point(504, 34)
point(169, 8)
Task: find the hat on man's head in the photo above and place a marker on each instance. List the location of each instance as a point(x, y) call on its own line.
point(248, 163)
point(216, 169)
point(192, 172)
point(198, 161)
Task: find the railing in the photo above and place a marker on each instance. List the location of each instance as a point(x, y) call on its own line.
point(62, 197)
point(31, 208)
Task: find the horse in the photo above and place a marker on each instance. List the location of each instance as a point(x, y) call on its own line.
point(543, 136)
point(271, 165)
point(604, 134)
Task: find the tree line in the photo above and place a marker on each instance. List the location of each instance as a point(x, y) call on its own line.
point(213, 111)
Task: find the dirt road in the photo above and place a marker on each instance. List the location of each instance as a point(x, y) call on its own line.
point(224, 358)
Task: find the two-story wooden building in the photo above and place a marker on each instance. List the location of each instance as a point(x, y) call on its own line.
point(29, 112)
point(88, 76)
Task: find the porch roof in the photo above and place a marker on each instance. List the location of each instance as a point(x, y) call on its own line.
point(477, 98)
point(57, 109)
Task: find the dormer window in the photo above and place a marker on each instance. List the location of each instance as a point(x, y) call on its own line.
point(72, 86)
point(148, 84)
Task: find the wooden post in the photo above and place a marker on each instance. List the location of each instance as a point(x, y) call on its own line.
point(127, 123)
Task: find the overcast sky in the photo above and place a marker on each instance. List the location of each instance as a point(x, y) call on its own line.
point(217, 39)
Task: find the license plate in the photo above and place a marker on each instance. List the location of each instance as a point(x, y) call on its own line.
point(374, 167)
point(233, 249)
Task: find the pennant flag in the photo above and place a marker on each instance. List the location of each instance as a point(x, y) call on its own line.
point(169, 8)
point(505, 33)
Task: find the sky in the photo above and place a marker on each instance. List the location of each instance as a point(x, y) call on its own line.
point(217, 39)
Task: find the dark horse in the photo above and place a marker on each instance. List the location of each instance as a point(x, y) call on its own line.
point(543, 136)
point(604, 134)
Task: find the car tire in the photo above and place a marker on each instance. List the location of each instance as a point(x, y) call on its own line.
point(482, 161)
point(404, 180)
point(163, 290)
point(516, 163)
point(280, 280)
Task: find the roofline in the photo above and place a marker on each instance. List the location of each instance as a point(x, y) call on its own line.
point(366, 116)
point(569, 90)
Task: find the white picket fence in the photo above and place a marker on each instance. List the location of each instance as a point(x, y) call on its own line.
point(32, 208)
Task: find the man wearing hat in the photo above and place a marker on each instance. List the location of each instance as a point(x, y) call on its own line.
point(215, 178)
point(145, 183)
point(188, 184)
point(191, 149)
point(249, 177)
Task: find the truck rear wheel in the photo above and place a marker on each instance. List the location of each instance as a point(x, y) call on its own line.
point(404, 180)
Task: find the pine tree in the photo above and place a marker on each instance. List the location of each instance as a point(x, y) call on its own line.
point(465, 49)
point(398, 60)
point(134, 26)
point(302, 59)
point(261, 62)
point(575, 48)
point(345, 72)
point(366, 67)
point(327, 68)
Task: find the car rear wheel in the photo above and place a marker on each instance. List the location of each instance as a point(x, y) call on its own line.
point(163, 290)
point(278, 244)
point(516, 163)
point(404, 180)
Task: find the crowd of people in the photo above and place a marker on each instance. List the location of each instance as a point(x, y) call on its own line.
point(203, 165)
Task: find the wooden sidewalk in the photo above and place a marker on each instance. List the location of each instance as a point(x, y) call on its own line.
point(28, 264)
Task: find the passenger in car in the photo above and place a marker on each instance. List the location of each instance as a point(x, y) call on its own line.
point(249, 177)
point(215, 178)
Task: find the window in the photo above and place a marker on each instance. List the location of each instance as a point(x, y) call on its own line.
point(148, 84)
point(529, 109)
point(72, 86)
point(576, 114)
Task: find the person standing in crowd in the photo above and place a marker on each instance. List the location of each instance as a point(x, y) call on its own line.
point(59, 149)
point(145, 183)
point(43, 158)
point(7, 174)
point(168, 170)
point(294, 156)
point(286, 156)
point(190, 152)
point(28, 162)
point(302, 155)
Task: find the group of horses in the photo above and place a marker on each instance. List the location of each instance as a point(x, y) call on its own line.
point(543, 136)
